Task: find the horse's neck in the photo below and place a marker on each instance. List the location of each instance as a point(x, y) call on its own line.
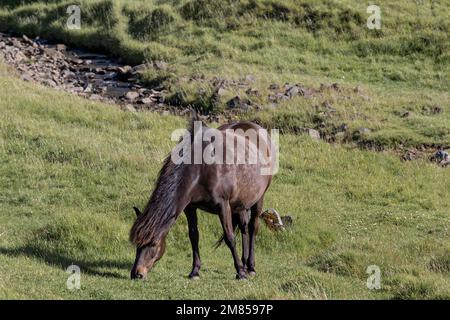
point(171, 193)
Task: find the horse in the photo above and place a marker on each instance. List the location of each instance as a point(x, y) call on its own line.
point(233, 191)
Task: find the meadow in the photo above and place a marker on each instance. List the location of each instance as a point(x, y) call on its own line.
point(72, 169)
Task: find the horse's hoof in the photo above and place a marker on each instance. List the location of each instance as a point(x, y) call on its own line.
point(241, 276)
point(194, 277)
point(251, 273)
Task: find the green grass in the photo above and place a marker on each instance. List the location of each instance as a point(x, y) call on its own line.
point(71, 170)
point(404, 66)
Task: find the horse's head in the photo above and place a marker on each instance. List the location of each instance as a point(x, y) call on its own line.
point(146, 256)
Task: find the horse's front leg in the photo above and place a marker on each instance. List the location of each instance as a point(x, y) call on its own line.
point(227, 225)
point(191, 215)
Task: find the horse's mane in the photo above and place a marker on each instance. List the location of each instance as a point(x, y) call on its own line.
point(161, 210)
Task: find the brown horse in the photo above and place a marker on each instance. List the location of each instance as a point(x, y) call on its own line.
point(228, 190)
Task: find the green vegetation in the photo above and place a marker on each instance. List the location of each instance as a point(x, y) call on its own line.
point(405, 66)
point(71, 170)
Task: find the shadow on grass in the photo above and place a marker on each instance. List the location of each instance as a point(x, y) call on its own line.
point(62, 261)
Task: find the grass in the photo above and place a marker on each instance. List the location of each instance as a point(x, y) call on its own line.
point(403, 67)
point(71, 171)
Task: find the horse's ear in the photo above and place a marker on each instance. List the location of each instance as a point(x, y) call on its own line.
point(138, 212)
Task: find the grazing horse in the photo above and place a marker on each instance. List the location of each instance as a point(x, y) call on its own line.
point(229, 190)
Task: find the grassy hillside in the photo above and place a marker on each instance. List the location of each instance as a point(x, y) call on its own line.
point(71, 170)
point(404, 67)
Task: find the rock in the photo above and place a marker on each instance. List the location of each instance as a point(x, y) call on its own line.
point(26, 77)
point(220, 92)
point(89, 75)
point(147, 101)
point(131, 95)
point(95, 97)
point(407, 114)
point(124, 72)
point(292, 91)
point(2, 44)
point(100, 71)
point(441, 155)
point(49, 83)
point(130, 107)
point(364, 131)
point(342, 127)
point(141, 68)
point(76, 61)
point(410, 155)
point(358, 89)
point(238, 103)
point(20, 56)
point(273, 220)
point(436, 110)
point(274, 86)
point(160, 65)
point(61, 47)
point(250, 78)
point(27, 40)
point(252, 92)
point(314, 134)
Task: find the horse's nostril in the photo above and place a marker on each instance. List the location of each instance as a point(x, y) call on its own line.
point(139, 276)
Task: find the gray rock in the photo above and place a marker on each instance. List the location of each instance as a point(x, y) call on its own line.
point(61, 47)
point(130, 107)
point(160, 65)
point(95, 97)
point(314, 134)
point(363, 131)
point(147, 101)
point(131, 95)
point(292, 91)
point(250, 78)
point(26, 77)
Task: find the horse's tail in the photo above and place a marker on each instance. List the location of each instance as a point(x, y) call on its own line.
point(235, 223)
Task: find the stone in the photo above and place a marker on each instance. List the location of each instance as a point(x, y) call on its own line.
point(221, 92)
point(76, 61)
point(314, 134)
point(27, 40)
point(363, 131)
point(238, 103)
point(160, 65)
point(147, 101)
point(274, 86)
point(130, 107)
point(26, 77)
point(292, 91)
point(250, 78)
point(61, 47)
point(131, 95)
point(141, 67)
point(20, 56)
point(95, 97)
point(407, 114)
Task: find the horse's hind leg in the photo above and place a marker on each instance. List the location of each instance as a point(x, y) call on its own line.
point(191, 215)
point(253, 227)
point(227, 224)
point(243, 227)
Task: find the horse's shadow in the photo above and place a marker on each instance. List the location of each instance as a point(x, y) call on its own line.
point(61, 261)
